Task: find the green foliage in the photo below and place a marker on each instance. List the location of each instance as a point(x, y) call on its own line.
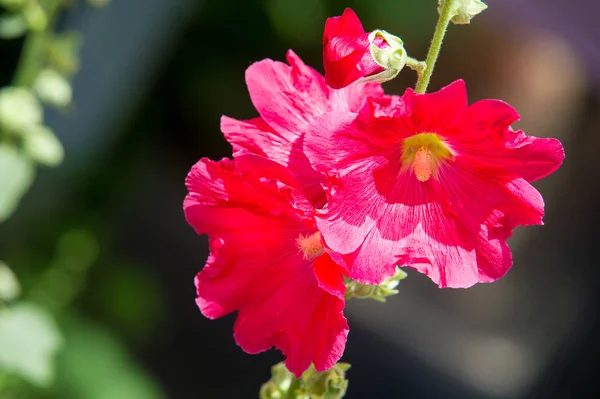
point(98, 3)
point(63, 279)
point(13, 5)
point(95, 365)
point(29, 338)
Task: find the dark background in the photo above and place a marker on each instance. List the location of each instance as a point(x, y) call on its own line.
point(155, 78)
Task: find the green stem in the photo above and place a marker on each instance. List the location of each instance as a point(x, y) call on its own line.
point(416, 65)
point(436, 45)
point(31, 60)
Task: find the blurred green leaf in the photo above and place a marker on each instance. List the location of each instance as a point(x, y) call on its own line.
point(98, 3)
point(12, 26)
point(41, 145)
point(9, 285)
point(63, 52)
point(133, 291)
point(28, 340)
point(16, 175)
point(77, 249)
point(95, 365)
point(64, 278)
point(13, 5)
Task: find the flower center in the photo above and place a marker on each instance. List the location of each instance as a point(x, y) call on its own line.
point(424, 152)
point(310, 245)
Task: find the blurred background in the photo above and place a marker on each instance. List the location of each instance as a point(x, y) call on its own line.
point(105, 261)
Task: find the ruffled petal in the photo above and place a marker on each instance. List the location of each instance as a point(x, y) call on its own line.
point(330, 275)
point(253, 212)
point(287, 97)
point(483, 132)
point(433, 112)
point(299, 318)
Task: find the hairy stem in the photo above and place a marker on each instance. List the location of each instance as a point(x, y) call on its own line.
point(436, 45)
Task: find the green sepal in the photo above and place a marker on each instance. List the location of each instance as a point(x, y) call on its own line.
point(464, 10)
point(378, 292)
point(391, 58)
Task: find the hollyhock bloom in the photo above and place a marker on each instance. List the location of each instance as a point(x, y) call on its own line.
point(266, 261)
point(288, 98)
point(427, 181)
point(349, 53)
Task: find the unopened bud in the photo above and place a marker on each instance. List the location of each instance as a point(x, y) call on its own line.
point(19, 109)
point(463, 10)
point(42, 145)
point(391, 55)
point(53, 89)
point(330, 384)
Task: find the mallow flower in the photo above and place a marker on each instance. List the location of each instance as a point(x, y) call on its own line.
point(429, 182)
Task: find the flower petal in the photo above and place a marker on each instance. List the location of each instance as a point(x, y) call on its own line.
point(483, 131)
point(287, 97)
point(346, 54)
point(435, 111)
point(299, 318)
point(330, 275)
point(254, 220)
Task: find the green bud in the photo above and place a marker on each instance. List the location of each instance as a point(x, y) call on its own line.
point(19, 109)
point(330, 384)
point(53, 89)
point(41, 145)
point(35, 15)
point(62, 51)
point(12, 26)
point(16, 175)
point(9, 286)
point(392, 58)
point(280, 382)
point(379, 292)
point(464, 10)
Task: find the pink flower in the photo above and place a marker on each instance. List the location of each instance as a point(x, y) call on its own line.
point(346, 51)
point(266, 262)
point(429, 182)
point(288, 98)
